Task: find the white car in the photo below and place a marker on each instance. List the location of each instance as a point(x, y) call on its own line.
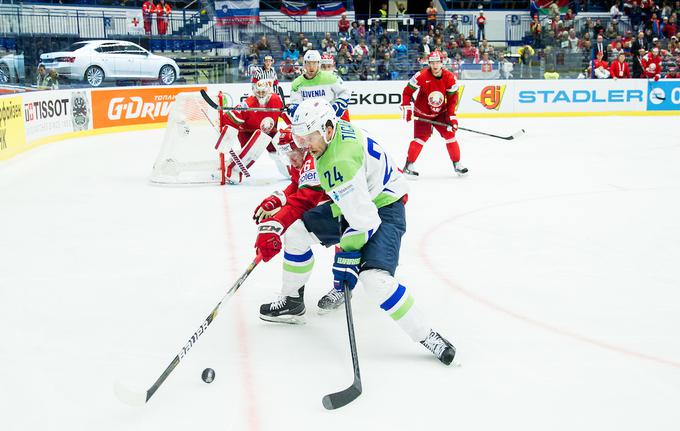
point(11, 68)
point(97, 61)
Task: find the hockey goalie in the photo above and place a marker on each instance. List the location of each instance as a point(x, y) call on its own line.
point(203, 145)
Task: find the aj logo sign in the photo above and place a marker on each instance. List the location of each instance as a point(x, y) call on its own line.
point(491, 96)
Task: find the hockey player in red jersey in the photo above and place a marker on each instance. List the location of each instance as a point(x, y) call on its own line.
point(281, 211)
point(651, 65)
point(436, 100)
point(246, 133)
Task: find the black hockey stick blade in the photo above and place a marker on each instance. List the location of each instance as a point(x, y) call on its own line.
point(208, 100)
point(342, 398)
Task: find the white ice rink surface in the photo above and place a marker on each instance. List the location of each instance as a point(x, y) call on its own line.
point(553, 267)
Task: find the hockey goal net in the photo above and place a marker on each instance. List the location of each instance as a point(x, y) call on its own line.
point(188, 154)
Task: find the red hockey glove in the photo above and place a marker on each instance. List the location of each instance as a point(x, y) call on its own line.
point(270, 206)
point(407, 112)
point(268, 241)
point(453, 124)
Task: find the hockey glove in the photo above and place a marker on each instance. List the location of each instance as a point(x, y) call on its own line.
point(270, 206)
point(453, 124)
point(346, 269)
point(291, 109)
point(268, 241)
point(407, 112)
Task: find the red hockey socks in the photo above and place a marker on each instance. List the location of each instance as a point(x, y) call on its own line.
point(454, 150)
point(413, 151)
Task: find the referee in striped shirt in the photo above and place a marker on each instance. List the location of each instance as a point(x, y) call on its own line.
point(266, 73)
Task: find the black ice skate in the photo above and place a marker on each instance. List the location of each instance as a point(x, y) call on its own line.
point(331, 301)
point(286, 309)
point(442, 349)
point(408, 170)
point(460, 169)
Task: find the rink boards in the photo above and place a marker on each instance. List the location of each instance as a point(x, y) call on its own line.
point(32, 119)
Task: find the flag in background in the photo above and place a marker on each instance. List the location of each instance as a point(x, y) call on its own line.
point(237, 12)
point(330, 8)
point(292, 8)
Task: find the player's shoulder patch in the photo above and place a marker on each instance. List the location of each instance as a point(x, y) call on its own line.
point(414, 81)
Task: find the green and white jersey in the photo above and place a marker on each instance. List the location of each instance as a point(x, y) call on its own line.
point(326, 85)
point(359, 177)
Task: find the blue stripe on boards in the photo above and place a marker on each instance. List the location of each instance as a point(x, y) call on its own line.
point(298, 257)
point(392, 300)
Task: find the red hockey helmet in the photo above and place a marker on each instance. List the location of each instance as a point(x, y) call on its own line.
point(288, 150)
point(434, 56)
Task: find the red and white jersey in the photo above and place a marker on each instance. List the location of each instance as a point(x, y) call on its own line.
point(435, 95)
point(303, 193)
point(254, 120)
point(651, 65)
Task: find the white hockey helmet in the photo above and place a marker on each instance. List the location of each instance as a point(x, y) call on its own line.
point(312, 55)
point(312, 115)
point(262, 91)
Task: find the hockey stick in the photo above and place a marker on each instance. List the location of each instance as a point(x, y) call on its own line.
point(439, 123)
point(342, 398)
point(214, 105)
point(141, 398)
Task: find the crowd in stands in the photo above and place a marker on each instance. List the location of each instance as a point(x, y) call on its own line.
point(161, 10)
point(557, 46)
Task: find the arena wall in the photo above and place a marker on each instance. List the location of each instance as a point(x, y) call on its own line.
point(28, 120)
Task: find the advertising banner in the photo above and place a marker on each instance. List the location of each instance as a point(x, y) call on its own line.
point(125, 107)
point(12, 137)
point(49, 113)
point(663, 96)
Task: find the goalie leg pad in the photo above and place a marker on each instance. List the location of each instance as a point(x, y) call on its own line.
point(244, 158)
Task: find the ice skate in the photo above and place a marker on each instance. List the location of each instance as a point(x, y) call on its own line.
point(331, 301)
point(409, 171)
point(442, 349)
point(460, 169)
point(286, 309)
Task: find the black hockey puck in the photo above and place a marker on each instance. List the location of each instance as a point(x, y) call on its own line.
point(208, 375)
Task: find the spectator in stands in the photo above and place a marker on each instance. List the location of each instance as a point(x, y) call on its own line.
point(361, 49)
point(526, 55)
point(253, 51)
point(611, 32)
point(263, 44)
point(292, 53)
point(483, 47)
point(598, 28)
point(288, 69)
point(342, 67)
point(431, 12)
point(573, 42)
point(569, 19)
point(52, 80)
point(452, 27)
point(619, 68)
point(148, 9)
point(343, 26)
point(549, 38)
point(614, 13)
point(331, 49)
point(655, 26)
point(347, 46)
point(382, 15)
point(506, 66)
point(414, 38)
point(424, 48)
point(470, 53)
point(308, 47)
point(554, 9)
point(536, 32)
point(635, 16)
point(362, 30)
point(600, 47)
point(639, 43)
point(447, 63)
point(481, 23)
point(163, 11)
point(399, 50)
point(354, 32)
point(616, 50)
point(600, 68)
point(670, 29)
point(40, 76)
point(471, 37)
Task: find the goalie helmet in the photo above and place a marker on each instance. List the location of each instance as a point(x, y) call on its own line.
point(262, 91)
point(312, 115)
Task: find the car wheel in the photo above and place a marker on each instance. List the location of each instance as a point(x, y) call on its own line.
point(94, 75)
point(4, 74)
point(167, 75)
